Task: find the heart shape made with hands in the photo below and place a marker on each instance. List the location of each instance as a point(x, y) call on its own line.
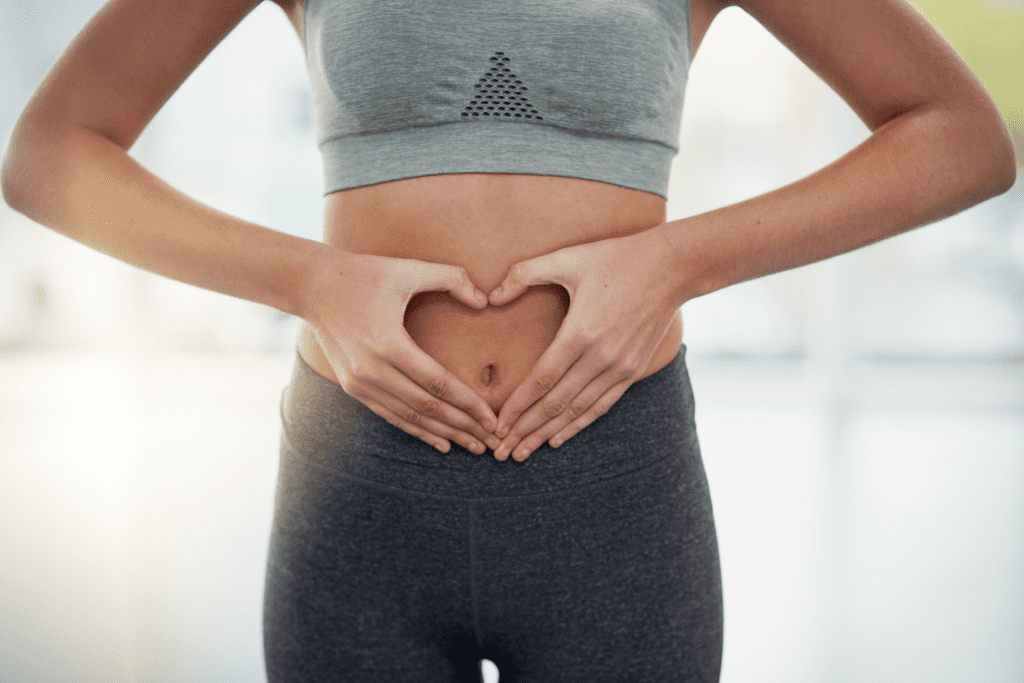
point(490, 349)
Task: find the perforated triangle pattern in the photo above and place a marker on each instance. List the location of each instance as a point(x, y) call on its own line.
point(501, 94)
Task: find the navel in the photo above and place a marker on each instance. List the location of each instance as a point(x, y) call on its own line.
point(489, 375)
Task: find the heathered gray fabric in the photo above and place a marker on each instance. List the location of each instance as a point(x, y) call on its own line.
point(390, 561)
point(581, 88)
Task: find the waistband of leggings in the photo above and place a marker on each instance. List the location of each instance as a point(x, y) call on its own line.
point(330, 429)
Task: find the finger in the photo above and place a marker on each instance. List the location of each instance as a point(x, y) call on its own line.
point(381, 378)
point(396, 421)
point(454, 280)
point(441, 384)
point(565, 350)
point(581, 385)
point(600, 407)
point(531, 440)
point(410, 420)
point(460, 423)
point(545, 269)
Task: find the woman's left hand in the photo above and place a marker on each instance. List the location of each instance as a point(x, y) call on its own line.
point(623, 293)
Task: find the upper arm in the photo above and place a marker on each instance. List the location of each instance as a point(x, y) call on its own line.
point(127, 62)
point(881, 56)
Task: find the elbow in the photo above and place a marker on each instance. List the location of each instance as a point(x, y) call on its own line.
point(12, 173)
point(25, 152)
point(8, 179)
point(12, 195)
point(997, 171)
point(977, 149)
point(987, 174)
point(982, 168)
point(1006, 170)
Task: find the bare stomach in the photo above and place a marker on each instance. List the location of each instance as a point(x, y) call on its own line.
point(485, 223)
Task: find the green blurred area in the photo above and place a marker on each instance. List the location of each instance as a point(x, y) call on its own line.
point(989, 35)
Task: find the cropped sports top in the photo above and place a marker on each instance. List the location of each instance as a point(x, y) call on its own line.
point(581, 88)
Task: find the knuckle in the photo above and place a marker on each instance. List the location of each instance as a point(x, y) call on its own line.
point(553, 406)
point(413, 417)
point(579, 341)
point(604, 359)
point(360, 389)
point(513, 440)
point(360, 372)
point(351, 385)
point(430, 408)
point(542, 384)
point(438, 385)
point(389, 348)
point(591, 330)
point(630, 371)
point(575, 410)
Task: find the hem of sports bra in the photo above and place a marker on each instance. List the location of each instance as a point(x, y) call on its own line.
point(494, 147)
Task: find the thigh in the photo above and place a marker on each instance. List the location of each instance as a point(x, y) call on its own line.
point(613, 581)
point(365, 583)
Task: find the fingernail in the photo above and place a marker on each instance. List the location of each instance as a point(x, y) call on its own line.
point(501, 453)
point(489, 426)
point(521, 454)
point(475, 446)
point(502, 431)
point(493, 443)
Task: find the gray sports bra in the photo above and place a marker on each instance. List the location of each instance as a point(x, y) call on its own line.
point(580, 88)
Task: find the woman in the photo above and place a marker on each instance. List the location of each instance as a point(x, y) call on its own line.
point(497, 273)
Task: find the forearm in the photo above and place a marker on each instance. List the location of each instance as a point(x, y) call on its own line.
point(86, 187)
point(914, 170)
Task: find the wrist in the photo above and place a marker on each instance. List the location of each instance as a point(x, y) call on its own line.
point(317, 278)
point(673, 263)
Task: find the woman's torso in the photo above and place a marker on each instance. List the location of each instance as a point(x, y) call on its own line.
point(485, 223)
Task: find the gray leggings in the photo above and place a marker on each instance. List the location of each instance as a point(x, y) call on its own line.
point(390, 561)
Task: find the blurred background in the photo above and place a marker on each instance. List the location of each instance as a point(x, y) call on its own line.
point(861, 419)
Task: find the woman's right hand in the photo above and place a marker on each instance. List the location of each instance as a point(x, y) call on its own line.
point(356, 306)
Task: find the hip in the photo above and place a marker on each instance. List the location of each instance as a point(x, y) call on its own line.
point(389, 560)
point(652, 424)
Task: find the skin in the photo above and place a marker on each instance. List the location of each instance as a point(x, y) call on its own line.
point(521, 311)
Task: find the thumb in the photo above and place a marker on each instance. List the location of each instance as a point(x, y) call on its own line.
point(536, 271)
point(455, 280)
